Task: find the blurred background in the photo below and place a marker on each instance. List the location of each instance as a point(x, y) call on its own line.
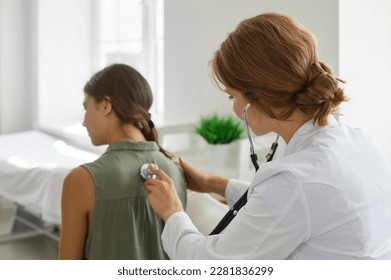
point(50, 48)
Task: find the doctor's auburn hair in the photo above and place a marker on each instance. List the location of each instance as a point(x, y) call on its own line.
point(130, 95)
point(273, 60)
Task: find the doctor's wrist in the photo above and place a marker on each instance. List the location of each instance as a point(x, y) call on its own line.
point(218, 184)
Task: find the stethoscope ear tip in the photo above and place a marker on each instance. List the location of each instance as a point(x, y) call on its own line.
point(244, 112)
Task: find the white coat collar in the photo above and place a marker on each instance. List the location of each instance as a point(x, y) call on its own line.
point(306, 130)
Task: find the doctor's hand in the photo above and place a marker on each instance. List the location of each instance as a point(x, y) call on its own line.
point(162, 195)
point(200, 181)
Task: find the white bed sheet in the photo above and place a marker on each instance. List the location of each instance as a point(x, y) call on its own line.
point(32, 169)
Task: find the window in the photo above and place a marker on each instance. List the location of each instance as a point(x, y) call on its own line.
point(131, 32)
point(76, 38)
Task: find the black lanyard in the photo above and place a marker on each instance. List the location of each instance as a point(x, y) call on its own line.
point(243, 199)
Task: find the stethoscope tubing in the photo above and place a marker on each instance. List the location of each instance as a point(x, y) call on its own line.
point(231, 214)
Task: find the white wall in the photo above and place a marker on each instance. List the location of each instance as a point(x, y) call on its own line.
point(195, 29)
point(64, 57)
point(16, 83)
point(365, 63)
point(45, 59)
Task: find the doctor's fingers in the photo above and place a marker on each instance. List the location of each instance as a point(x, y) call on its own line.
point(151, 184)
point(163, 198)
point(160, 174)
point(192, 172)
point(159, 186)
point(196, 180)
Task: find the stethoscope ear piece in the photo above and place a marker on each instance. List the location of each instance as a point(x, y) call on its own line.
point(244, 112)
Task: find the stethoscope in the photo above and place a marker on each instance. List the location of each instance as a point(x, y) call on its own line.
point(254, 159)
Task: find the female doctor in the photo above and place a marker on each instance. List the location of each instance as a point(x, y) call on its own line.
point(328, 197)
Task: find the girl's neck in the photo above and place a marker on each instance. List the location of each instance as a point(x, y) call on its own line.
point(126, 132)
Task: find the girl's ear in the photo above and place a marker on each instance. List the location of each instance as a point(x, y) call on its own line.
point(107, 106)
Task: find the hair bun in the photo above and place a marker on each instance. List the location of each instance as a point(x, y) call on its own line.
point(321, 95)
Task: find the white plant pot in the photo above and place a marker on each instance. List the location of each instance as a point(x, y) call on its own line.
point(219, 154)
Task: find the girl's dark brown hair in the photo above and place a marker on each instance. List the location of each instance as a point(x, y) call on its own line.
point(273, 60)
point(130, 95)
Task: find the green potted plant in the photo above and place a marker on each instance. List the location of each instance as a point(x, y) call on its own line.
point(219, 132)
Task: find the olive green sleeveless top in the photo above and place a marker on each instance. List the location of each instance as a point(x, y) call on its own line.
point(124, 225)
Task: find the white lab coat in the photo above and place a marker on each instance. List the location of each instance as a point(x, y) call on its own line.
point(329, 197)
